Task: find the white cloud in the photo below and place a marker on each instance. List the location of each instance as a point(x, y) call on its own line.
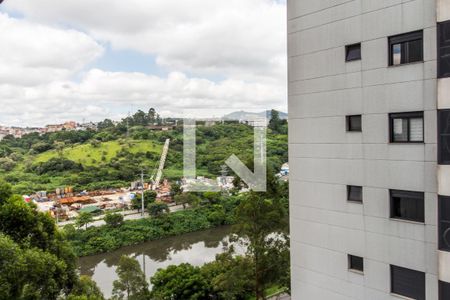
point(99, 93)
point(32, 54)
point(239, 38)
point(242, 41)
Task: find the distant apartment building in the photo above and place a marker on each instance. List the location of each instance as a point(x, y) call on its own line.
point(369, 141)
point(19, 132)
point(69, 125)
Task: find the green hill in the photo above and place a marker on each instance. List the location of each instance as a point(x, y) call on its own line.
point(90, 155)
point(113, 156)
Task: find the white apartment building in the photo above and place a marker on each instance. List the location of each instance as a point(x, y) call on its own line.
point(369, 142)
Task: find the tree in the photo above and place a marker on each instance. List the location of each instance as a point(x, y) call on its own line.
point(212, 197)
point(230, 276)
point(263, 223)
point(7, 164)
point(59, 146)
point(41, 147)
point(275, 123)
point(113, 219)
point(5, 191)
point(187, 198)
point(217, 216)
point(85, 289)
point(83, 219)
point(175, 189)
point(105, 124)
point(95, 143)
point(36, 261)
point(29, 273)
point(56, 165)
point(179, 282)
point(140, 118)
point(131, 283)
point(157, 209)
point(149, 197)
point(151, 116)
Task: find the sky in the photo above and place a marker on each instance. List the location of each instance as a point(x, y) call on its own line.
point(87, 60)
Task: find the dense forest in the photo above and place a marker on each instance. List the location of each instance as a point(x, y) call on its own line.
point(113, 155)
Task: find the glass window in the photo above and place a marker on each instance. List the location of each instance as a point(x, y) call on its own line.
point(444, 290)
point(401, 130)
point(355, 263)
point(414, 51)
point(416, 129)
point(444, 223)
point(396, 54)
point(444, 137)
point(353, 52)
point(354, 193)
point(408, 283)
point(354, 123)
point(443, 30)
point(407, 205)
point(406, 48)
point(406, 127)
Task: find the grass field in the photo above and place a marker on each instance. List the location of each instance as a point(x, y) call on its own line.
point(89, 155)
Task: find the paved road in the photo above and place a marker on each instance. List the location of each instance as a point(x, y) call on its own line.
point(129, 215)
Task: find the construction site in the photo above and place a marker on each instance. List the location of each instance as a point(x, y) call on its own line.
point(64, 204)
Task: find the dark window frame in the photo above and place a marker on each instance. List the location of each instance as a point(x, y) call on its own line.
point(443, 137)
point(351, 47)
point(355, 263)
point(444, 223)
point(349, 193)
point(396, 288)
point(410, 195)
point(444, 290)
point(409, 116)
point(404, 38)
point(443, 49)
point(348, 121)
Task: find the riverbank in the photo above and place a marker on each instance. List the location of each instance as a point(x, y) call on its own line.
point(196, 248)
point(95, 240)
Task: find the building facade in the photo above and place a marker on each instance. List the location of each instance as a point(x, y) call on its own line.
point(369, 143)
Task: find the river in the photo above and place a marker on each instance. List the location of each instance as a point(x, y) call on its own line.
point(196, 248)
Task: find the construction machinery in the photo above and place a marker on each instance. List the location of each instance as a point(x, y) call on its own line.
point(158, 173)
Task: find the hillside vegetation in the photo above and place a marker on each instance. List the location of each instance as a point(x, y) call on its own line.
point(90, 155)
point(113, 156)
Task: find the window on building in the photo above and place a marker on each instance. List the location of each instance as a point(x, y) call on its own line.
point(443, 49)
point(353, 52)
point(444, 223)
point(406, 48)
point(407, 205)
point(444, 137)
point(355, 263)
point(406, 127)
point(354, 193)
point(408, 283)
point(444, 290)
point(354, 123)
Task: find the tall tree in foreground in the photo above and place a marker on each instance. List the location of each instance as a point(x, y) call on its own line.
point(275, 122)
point(179, 282)
point(131, 284)
point(86, 289)
point(263, 224)
point(36, 262)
